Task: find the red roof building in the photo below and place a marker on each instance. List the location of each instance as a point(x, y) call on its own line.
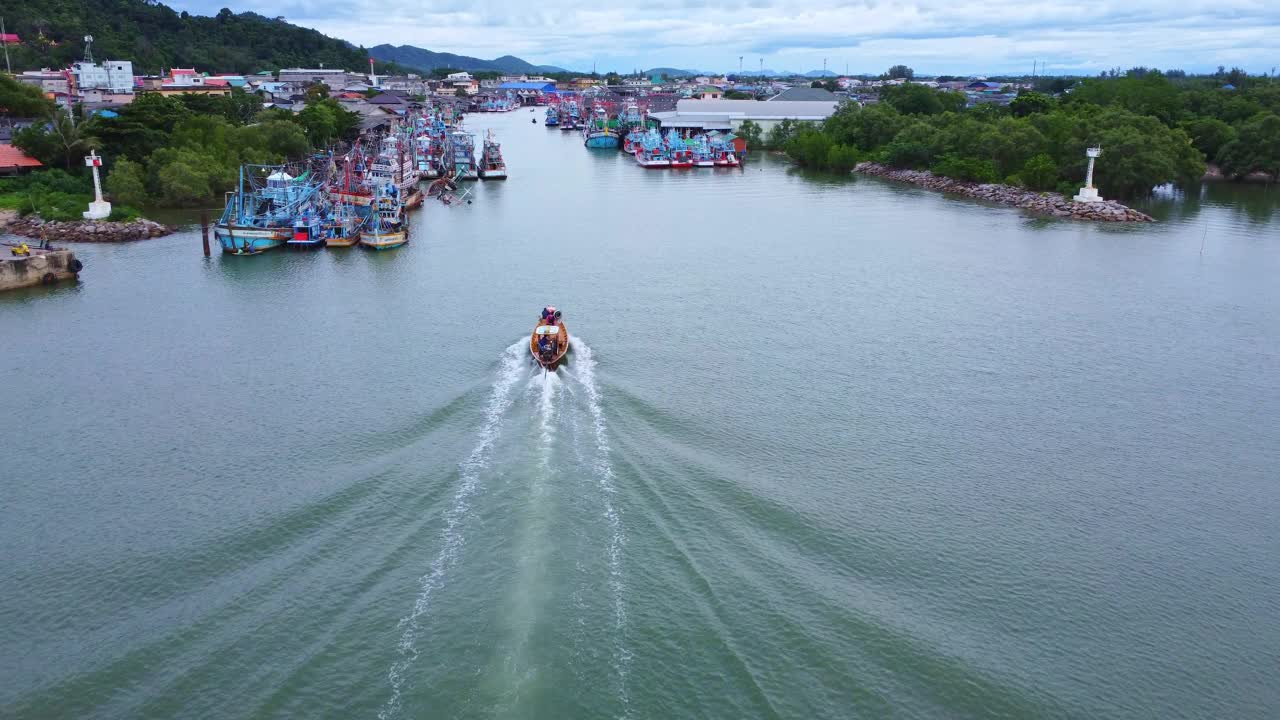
point(9, 39)
point(14, 161)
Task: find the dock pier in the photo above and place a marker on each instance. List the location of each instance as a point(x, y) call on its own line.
point(39, 267)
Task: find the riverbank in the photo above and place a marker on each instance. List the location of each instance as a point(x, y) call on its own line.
point(88, 230)
point(1048, 203)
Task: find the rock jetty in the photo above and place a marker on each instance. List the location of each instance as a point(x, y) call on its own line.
point(1047, 203)
point(88, 230)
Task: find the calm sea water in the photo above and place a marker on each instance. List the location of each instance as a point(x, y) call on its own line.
point(825, 449)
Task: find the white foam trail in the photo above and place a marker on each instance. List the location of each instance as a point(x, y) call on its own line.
point(584, 365)
point(550, 386)
point(511, 368)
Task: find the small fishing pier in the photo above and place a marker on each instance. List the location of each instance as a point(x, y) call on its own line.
point(36, 266)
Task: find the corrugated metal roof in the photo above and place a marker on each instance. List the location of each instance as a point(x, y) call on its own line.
point(803, 94)
point(754, 109)
point(11, 156)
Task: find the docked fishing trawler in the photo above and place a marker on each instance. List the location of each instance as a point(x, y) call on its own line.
point(600, 131)
point(260, 212)
point(385, 229)
point(553, 116)
point(651, 152)
point(492, 166)
point(681, 155)
point(462, 155)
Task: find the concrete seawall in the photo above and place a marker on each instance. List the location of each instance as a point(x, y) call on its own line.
point(41, 267)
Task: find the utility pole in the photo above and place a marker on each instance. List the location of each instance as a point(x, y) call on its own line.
point(824, 67)
point(7, 68)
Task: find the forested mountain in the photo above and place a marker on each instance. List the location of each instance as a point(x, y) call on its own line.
point(416, 57)
point(156, 37)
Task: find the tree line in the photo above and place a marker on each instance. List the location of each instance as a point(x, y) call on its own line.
point(183, 150)
point(1154, 129)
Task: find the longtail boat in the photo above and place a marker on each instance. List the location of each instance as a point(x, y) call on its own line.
point(550, 339)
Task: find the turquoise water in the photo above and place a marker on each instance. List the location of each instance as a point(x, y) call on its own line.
point(824, 448)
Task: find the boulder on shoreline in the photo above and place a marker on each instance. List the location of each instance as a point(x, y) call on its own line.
point(88, 230)
point(1047, 203)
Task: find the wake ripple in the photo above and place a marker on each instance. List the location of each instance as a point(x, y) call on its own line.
point(585, 365)
point(512, 367)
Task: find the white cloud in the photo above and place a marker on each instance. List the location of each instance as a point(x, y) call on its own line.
point(939, 36)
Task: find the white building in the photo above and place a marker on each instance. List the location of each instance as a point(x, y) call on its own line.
point(333, 77)
point(49, 81)
point(730, 114)
point(112, 76)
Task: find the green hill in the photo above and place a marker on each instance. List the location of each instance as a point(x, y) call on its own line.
point(416, 57)
point(156, 37)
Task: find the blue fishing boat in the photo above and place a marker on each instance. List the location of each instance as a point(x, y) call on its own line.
point(598, 133)
point(462, 155)
point(553, 116)
point(385, 228)
point(260, 212)
point(701, 150)
point(651, 151)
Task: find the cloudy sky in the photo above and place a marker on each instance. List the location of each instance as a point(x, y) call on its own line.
point(932, 36)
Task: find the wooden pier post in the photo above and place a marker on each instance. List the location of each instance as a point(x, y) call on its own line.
point(204, 231)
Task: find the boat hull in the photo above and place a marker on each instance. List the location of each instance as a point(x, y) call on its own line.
point(346, 241)
point(237, 240)
point(384, 241)
point(493, 174)
point(602, 141)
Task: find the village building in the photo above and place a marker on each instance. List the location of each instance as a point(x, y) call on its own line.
point(13, 161)
point(49, 81)
point(187, 80)
point(730, 114)
point(333, 77)
point(112, 76)
point(804, 94)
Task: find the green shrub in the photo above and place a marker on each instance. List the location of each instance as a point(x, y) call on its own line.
point(124, 213)
point(965, 168)
point(127, 183)
point(57, 206)
point(842, 158)
point(1040, 172)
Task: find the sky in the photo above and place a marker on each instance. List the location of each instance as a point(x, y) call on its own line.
point(953, 37)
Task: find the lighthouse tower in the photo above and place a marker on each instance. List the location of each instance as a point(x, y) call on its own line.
point(99, 209)
point(1088, 193)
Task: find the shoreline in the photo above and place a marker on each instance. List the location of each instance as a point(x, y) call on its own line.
point(1045, 203)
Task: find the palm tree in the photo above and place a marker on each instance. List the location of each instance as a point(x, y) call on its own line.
point(71, 136)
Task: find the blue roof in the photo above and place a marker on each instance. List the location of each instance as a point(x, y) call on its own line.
point(527, 86)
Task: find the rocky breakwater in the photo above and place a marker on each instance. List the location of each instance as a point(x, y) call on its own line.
point(88, 230)
point(1047, 203)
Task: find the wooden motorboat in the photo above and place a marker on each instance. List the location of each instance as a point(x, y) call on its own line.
point(549, 343)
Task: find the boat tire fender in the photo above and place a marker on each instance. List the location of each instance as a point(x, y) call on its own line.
point(75, 265)
point(48, 279)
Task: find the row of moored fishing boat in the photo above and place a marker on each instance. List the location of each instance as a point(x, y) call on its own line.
point(356, 195)
point(650, 147)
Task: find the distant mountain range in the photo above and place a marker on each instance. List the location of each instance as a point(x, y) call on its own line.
point(416, 57)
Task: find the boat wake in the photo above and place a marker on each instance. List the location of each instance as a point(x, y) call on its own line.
point(512, 367)
point(566, 400)
point(584, 375)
